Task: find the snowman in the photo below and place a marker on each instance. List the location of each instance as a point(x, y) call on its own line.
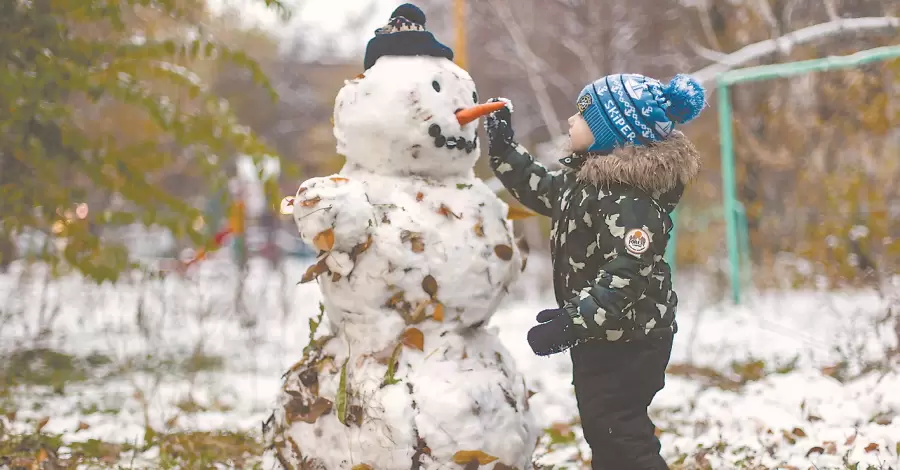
point(416, 254)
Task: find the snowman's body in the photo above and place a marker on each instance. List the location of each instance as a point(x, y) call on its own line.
point(417, 255)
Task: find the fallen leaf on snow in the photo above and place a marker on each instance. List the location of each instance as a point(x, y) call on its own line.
point(479, 229)
point(788, 437)
point(297, 411)
point(429, 285)
point(413, 338)
point(438, 313)
point(355, 415)
point(325, 240)
point(815, 450)
point(503, 252)
point(310, 202)
point(414, 239)
point(313, 271)
point(465, 456)
point(360, 249)
point(446, 212)
point(395, 300)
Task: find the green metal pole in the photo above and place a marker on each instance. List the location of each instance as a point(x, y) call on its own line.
point(729, 191)
point(744, 240)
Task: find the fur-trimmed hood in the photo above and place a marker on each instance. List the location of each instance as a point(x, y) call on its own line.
point(656, 169)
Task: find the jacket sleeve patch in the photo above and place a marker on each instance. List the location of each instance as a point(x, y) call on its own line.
point(637, 241)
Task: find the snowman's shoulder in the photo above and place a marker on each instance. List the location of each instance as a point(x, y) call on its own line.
point(479, 194)
point(479, 186)
point(481, 191)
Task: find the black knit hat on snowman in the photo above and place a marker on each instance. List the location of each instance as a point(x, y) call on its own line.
point(404, 35)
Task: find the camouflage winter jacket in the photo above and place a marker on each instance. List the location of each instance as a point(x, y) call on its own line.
point(611, 225)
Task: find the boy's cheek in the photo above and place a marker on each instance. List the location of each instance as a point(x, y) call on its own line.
point(578, 141)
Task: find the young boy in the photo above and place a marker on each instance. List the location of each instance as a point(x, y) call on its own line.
point(611, 222)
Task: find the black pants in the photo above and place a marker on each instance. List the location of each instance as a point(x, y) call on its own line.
point(614, 385)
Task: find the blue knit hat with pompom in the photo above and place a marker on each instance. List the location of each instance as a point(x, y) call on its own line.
point(625, 109)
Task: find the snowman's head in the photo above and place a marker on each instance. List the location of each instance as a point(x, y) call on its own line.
point(410, 115)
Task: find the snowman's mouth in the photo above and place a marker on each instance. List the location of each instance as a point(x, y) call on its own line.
point(451, 142)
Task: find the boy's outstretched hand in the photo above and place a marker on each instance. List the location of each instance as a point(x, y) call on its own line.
point(498, 126)
point(555, 333)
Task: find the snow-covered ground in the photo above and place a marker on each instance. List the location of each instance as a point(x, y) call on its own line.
point(798, 414)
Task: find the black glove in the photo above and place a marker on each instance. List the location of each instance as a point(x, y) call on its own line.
point(555, 333)
point(546, 315)
point(498, 126)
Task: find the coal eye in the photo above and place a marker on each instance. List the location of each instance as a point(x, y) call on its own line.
point(436, 86)
point(474, 97)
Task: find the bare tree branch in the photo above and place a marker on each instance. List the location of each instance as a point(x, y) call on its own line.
point(584, 55)
point(831, 10)
point(806, 35)
point(706, 24)
point(708, 54)
point(551, 120)
point(765, 11)
point(558, 80)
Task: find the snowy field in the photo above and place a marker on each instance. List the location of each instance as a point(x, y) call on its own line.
point(789, 380)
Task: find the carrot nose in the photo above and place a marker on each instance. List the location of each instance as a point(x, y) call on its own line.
point(465, 116)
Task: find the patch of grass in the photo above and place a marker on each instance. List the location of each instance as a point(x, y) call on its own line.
point(705, 375)
point(178, 366)
point(54, 369)
point(49, 368)
point(202, 450)
point(200, 362)
point(42, 450)
point(94, 408)
point(169, 451)
point(741, 372)
point(190, 405)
